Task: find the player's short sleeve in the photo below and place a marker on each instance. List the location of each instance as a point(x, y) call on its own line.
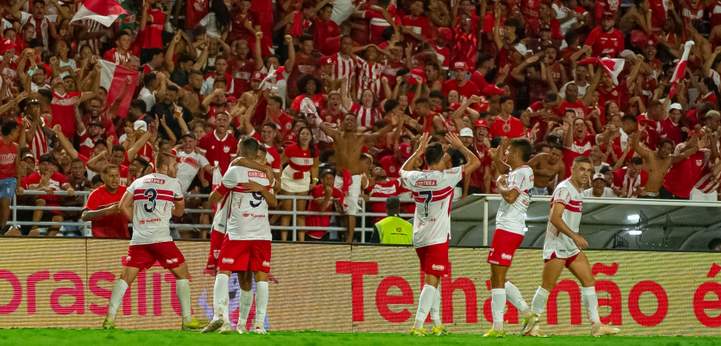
point(234, 176)
point(131, 188)
point(92, 202)
point(409, 178)
point(453, 175)
point(561, 195)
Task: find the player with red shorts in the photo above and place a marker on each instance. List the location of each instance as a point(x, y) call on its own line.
point(432, 190)
point(562, 248)
point(510, 230)
point(247, 247)
point(151, 201)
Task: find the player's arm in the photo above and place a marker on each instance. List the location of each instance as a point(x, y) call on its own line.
point(126, 204)
point(179, 207)
point(472, 161)
point(556, 220)
point(265, 191)
point(410, 164)
point(89, 215)
point(509, 193)
point(252, 164)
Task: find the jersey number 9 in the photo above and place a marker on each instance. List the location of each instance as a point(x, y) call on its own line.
point(257, 199)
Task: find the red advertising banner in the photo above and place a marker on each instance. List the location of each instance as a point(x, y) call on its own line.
point(67, 283)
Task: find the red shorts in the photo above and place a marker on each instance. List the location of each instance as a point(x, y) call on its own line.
point(434, 259)
point(568, 260)
point(216, 242)
point(503, 247)
point(245, 255)
point(144, 256)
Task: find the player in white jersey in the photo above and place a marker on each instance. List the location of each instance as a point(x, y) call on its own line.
point(562, 248)
point(248, 239)
point(190, 162)
point(151, 201)
point(510, 230)
point(432, 190)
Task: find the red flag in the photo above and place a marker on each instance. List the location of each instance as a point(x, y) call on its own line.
point(680, 68)
point(612, 66)
point(114, 78)
point(104, 12)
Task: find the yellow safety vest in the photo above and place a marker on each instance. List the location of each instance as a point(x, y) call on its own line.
point(394, 230)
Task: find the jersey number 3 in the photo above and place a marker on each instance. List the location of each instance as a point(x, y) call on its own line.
point(151, 195)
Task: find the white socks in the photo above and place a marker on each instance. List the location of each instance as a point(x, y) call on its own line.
point(590, 299)
point(425, 302)
point(261, 303)
point(513, 294)
point(117, 297)
point(436, 309)
point(538, 304)
point(221, 297)
point(246, 300)
point(498, 307)
point(182, 290)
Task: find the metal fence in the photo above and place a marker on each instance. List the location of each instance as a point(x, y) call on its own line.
point(363, 227)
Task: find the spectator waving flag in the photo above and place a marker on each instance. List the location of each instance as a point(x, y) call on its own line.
point(680, 69)
point(104, 12)
point(612, 66)
point(119, 81)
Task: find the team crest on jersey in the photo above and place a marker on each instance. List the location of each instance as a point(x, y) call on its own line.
point(226, 149)
point(216, 254)
point(699, 163)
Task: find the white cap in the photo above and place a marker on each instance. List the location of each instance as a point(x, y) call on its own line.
point(466, 132)
point(599, 176)
point(675, 106)
point(140, 125)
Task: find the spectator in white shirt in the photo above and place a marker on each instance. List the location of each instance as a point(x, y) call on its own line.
point(599, 187)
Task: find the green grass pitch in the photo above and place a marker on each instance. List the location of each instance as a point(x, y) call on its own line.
point(96, 337)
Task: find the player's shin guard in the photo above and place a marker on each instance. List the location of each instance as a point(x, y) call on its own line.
point(436, 308)
point(590, 299)
point(220, 297)
point(513, 294)
point(261, 303)
point(117, 297)
point(428, 295)
point(246, 300)
point(182, 290)
point(498, 306)
point(538, 304)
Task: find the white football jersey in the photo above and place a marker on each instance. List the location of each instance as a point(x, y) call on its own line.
point(248, 211)
point(432, 192)
point(220, 218)
point(188, 166)
point(557, 242)
point(512, 217)
point(154, 197)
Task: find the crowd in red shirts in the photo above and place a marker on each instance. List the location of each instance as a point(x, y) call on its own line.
point(211, 72)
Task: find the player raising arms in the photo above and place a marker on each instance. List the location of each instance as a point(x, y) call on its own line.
point(432, 191)
point(150, 202)
point(248, 244)
point(562, 248)
point(510, 229)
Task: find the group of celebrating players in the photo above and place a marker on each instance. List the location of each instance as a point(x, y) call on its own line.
point(241, 237)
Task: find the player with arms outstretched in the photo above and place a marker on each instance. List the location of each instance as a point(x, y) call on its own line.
point(150, 202)
point(510, 230)
point(432, 190)
point(247, 247)
point(562, 248)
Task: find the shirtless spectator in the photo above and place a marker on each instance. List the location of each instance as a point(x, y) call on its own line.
point(548, 170)
point(659, 161)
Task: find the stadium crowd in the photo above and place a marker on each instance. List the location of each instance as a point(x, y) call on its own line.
point(299, 75)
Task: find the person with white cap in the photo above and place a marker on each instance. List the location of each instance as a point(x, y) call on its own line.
point(599, 187)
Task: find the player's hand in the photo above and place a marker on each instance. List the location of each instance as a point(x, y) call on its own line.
point(453, 139)
point(580, 241)
point(253, 186)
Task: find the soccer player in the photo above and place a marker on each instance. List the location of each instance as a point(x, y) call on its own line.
point(248, 244)
point(102, 207)
point(151, 201)
point(432, 191)
point(510, 229)
point(562, 248)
